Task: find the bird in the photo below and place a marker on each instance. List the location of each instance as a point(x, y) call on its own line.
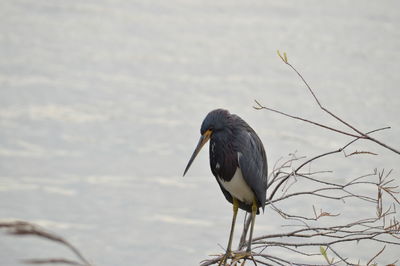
point(239, 163)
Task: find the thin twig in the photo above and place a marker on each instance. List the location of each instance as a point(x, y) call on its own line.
point(361, 134)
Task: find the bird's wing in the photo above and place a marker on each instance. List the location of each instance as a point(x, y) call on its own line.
point(253, 163)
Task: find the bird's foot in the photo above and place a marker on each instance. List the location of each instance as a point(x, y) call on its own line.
point(246, 255)
point(236, 258)
point(225, 258)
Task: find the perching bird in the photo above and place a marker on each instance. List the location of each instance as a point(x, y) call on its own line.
point(238, 162)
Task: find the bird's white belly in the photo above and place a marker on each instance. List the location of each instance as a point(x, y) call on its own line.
point(238, 188)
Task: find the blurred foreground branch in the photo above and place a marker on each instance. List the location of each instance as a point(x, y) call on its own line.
point(23, 228)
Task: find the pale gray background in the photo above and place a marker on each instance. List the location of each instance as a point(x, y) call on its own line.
point(101, 104)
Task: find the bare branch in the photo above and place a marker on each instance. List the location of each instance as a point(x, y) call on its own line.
point(376, 255)
point(359, 132)
point(384, 228)
point(260, 106)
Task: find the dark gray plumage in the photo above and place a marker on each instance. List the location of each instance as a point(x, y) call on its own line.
point(233, 136)
point(238, 162)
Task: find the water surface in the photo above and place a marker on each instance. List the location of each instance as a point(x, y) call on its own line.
point(101, 104)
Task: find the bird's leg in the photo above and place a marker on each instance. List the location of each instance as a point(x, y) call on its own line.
point(228, 249)
point(247, 253)
point(253, 219)
point(235, 211)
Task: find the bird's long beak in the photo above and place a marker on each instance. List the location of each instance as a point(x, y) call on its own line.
point(203, 140)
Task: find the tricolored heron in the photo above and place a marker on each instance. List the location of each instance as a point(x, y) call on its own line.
point(238, 162)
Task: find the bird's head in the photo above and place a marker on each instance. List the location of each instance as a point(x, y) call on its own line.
point(215, 121)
